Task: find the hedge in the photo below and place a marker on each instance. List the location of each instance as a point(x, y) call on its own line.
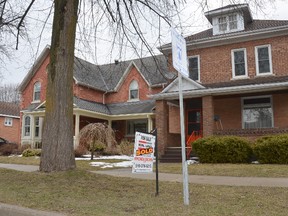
point(223, 149)
point(31, 152)
point(272, 149)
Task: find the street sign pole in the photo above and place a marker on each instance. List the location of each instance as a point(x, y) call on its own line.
point(179, 57)
point(183, 146)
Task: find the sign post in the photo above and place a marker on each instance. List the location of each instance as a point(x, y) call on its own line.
point(179, 57)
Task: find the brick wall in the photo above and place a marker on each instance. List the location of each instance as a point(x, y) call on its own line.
point(10, 133)
point(123, 93)
point(229, 112)
point(216, 64)
point(174, 120)
point(87, 93)
point(208, 115)
point(280, 110)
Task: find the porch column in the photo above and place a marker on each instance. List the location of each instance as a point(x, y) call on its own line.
point(32, 131)
point(77, 126)
point(162, 125)
point(208, 115)
point(110, 123)
point(150, 123)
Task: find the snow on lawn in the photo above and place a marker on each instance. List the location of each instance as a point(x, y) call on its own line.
point(127, 161)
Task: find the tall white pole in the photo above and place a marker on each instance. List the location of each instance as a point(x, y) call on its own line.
point(183, 146)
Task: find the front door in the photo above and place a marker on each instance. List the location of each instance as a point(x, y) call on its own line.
point(194, 121)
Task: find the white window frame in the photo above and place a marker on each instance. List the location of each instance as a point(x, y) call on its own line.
point(198, 61)
point(270, 60)
point(234, 76)
point(228, 23)
point(24, 125)
point(255, 97)
point(34, 91)
point(8, 121)
point(132, 88)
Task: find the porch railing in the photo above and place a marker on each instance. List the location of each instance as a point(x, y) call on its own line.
point(193, 137)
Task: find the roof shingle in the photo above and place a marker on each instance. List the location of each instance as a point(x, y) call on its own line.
point(9, 108)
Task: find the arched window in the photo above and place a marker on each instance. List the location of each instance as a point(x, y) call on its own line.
point(133, 90)
point(27, 126)
point(36, 92)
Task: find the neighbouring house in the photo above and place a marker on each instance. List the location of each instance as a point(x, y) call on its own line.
point(238, 80)
point(10, 121)
point(113, 93)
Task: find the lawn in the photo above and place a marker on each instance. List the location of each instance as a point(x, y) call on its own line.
point(79, 193)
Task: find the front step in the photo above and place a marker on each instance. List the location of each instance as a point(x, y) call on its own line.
point(172, 155)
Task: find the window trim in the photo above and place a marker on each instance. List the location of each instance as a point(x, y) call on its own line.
point(256, 97)
point(24, 126)
point(270, 60)
point(228, 29)
point(38, 100)
point(6, 122)
point(138, 93)
point(234, 76)
point(198, 62)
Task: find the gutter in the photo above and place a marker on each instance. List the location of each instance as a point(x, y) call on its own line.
point(222, 91)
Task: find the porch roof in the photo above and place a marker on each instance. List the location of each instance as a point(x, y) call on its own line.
point(250, 85)
point(126, 108)
point(9, 109)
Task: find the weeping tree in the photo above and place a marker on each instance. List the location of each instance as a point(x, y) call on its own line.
point(97, 137)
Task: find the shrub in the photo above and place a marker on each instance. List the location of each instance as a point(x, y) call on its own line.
point(8, 149)
point(272, 149)
point(225, 149)
point(31, 152)
point(24, 147)
point(126, 147)
point(80, 151)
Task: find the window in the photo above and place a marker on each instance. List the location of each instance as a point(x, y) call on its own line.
point(37, 126)
point(233, 21)
point(228, 23)
point(257, 112)
point(133, 90)
point(263, 60)
point(136, 125)
point(239, 63)
point(8, 121)
point(222, 23)
point(36, 92)
point(27, 126)
point(194, 68)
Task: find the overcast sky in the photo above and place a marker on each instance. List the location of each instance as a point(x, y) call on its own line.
point(22, 59)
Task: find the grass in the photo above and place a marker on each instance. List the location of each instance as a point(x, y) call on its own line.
point(80, 192)
point(244, 170)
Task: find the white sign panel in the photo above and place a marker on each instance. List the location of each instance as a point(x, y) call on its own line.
point(179, 54)
point(143, 153)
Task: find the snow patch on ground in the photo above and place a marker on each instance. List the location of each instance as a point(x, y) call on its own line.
point(127, 161)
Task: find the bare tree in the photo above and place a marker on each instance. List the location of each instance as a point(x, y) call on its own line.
point(9, 93)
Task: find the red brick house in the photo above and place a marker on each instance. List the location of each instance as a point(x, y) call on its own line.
point(113, 93)
point(238, 79)
point(10, 121)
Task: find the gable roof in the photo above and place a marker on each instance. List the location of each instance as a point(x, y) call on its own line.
point(108, 77)
point(9, 109)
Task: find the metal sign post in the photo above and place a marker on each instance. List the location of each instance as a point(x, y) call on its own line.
point(179, 57)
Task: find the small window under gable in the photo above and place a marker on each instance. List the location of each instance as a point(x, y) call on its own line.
point(8, 121)
point(133, 90)
point(36, 91)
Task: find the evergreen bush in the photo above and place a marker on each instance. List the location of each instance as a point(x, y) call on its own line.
point(223, 149)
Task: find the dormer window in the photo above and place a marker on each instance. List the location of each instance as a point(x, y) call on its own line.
point(227, 23)
point(133, 90)
point(37, 91)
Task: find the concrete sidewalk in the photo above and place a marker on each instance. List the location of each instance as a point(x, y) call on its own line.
point(19, 167)
point(201, 179)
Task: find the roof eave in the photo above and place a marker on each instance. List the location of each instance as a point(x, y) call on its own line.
point(223, 91)
point(236, 37)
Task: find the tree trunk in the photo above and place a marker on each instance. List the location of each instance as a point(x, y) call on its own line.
point(57, 148)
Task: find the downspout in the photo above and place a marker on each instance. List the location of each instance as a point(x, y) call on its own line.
point(103, 97)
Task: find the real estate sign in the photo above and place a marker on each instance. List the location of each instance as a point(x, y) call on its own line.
point(143, 153)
